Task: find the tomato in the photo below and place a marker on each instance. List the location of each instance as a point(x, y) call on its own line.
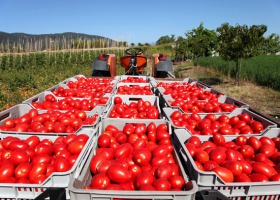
point(123, 151)
point(241, 140)
point(159, 160)
point(100, 181)
point(17, 145)
point(206, 144)
point(118, 174)
point(37, 169)
point(258, 177)
point(69, 138)
point(231, 155)
point(142, 157)
point(195, 141)
point(177, 182)
point(9, 123)
point(234, 166)
point(242, 178)
point(264, 169)
point(144, 178)
point(128, 129)
point(76, 147)
point(43, 149)
point(7, 140)
point(257, 127)
point(201, 156)
point(267, 141)
point(247, 151)
point(225, 174)
point(176, 114)
point(117, 100)
point(254, 142)
point(23, 170)
point(275, 177)
point(162, 184)
point(61, 164)
point(267, 150)
point(6, 171)
point(164, 171)
point(219, 139)
point(218, 155)
point(210, 165)
point(19, 156)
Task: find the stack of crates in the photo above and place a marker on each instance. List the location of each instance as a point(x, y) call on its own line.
point(167, 97)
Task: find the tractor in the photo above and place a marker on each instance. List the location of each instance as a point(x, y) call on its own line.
point(162, 66)
point(104, 65)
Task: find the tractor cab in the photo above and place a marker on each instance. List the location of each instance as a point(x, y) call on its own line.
point(104, 65)
point(134, 63)
point(162, 66)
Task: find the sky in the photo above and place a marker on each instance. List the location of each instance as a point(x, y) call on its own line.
point(143, 21)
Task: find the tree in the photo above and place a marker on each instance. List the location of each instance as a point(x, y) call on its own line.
point(239, 42)
point(201, 41)
point(270, 45)
point(132, 44)
point(165, 40)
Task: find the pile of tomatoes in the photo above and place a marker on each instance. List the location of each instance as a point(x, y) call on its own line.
point(244, 159)
point(49, 122)
point(91, 83)
point(134, 90)
point(138, 157)
point(69, 103)
point(33, 160)
point(211, 123)
point(139, 110)
point(131, 79)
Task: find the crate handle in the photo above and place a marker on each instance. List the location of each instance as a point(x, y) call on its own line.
point(35, 99)
point(5, 116)
point(134, 99)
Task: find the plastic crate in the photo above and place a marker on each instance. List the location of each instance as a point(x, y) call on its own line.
point(83, 178)
point(56, 180)
point(41, 97)
point(135, 84)
point(154, 100)
point(124, 77)
point(21, 109)
point(268, 124)
point(166, 99)
point(209, 180)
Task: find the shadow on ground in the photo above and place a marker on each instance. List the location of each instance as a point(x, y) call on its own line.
point(211, 81)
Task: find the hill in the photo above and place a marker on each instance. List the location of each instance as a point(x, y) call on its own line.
point(45, 41)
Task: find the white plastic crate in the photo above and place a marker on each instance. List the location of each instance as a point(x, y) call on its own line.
point(209, 180)
point(83, 177)
point(21, 109)
point(56, 180)
point(268, 124)
point(41, 97)
point(134, 84)
point(154, 100)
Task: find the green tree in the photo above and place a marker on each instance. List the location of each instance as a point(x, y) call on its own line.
point(132, 44)
point(270, 45)
point(239, 42)
point(165, 40)
point(201, 41)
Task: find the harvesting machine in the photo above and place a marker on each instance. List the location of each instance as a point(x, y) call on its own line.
point(104, 65)
point(162, 66)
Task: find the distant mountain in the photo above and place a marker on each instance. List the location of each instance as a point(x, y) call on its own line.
point(44, 41)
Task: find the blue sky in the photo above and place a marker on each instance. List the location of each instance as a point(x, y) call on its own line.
point(134, 21)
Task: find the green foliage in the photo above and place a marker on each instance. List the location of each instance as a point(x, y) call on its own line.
point(263, 70)
point(165, 40)
point(201, 41)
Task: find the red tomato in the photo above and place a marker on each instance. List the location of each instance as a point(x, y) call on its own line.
point(61, 164)
point(37, 169)
point(201, 156)
point(234, 166)
point(219, 139)
point(128, 129)
point(225, 174)
point(43, 149)
point(195, 141)
point(100, 181)
point(218, 155)
point(242, 178)
point(264, 169)
point(95, 161)
point(177, 182)
point(23, 170)
point(254, 142)
point(118, 174)
point(162, 184)
point(258, 177)
point(19, 156)
point(210, 165)
point(247, 151)
point(117, 100)
point(144, 178)
point(142, 157)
